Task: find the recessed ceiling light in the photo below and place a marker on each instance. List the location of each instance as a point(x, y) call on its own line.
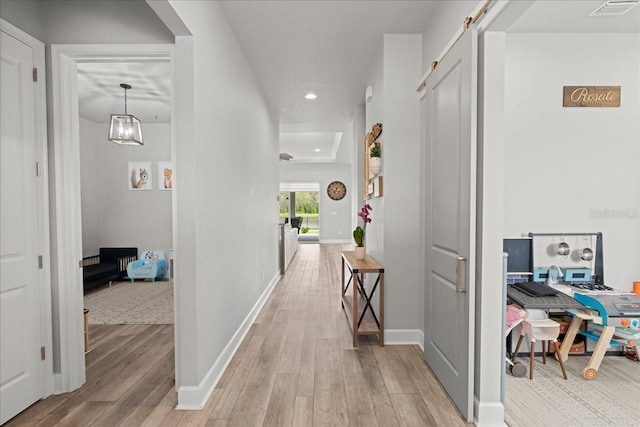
point(317, 150)
point(310, 95)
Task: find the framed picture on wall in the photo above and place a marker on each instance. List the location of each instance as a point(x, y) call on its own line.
point(165, 175)
point(139, 176)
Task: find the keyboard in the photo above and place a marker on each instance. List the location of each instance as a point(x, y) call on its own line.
point(534, 289)
point(559, 301)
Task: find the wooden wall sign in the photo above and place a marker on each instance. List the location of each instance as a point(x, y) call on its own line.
point(591, 96)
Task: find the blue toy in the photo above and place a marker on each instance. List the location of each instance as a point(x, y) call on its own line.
point(151, 265)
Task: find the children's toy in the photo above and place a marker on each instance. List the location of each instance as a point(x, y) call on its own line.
point(151, 265)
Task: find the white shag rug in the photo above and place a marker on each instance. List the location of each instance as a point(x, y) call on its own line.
point(141, 302)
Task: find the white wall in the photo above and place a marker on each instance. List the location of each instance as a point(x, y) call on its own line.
point(113, 215)
point(100, 21)
point(575, 169)
point(374, 113)
point(357, 171)
point(401, 145)
point(26, 15)
point(226, 201)
point(335, 215)
point(90, 186)
point(393, 236)
point(447, 18)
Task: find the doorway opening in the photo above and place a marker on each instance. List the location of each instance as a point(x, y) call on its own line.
point(126, 201)
point(299, 205)
point(67, 282)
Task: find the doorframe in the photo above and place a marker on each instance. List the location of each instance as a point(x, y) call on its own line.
point(67, 215)
point(44, 277)
point(303, 183)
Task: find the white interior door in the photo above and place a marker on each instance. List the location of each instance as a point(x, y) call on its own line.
point(22, 376)
point(450, 217)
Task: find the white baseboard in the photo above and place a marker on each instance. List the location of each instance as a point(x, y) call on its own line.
point(404, 337)
point(336, 241)
point(57, 383)
point(488, 414)
point(195, 397)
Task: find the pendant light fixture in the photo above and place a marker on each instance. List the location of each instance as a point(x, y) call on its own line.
point(125, 129)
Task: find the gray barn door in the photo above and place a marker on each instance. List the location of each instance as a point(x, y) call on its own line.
point(450, 208)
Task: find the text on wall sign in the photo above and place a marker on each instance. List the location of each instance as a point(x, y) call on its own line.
point(591, 96)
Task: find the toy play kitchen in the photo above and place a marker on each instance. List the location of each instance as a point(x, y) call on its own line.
point(572, 263)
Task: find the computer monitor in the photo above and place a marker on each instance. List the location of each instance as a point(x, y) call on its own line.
point(519, 250)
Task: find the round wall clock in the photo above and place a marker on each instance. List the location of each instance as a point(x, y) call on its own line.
point(336, 190)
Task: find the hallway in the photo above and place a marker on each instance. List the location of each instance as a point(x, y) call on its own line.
point(296, 367)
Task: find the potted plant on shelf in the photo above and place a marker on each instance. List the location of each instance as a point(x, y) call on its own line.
point(359, 232)
point(374, 158)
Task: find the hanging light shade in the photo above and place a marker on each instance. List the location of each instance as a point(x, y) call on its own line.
point(125, 129)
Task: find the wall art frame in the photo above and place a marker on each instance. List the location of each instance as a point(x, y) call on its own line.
point(139, 176)
point(166, 177)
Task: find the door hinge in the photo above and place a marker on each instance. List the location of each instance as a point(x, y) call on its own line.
point(40, 262)
point(43, 353)
point(35, 75)
point(37, 168)
point(80, 264)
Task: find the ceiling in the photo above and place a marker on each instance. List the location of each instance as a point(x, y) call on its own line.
point(326, 47)
point(100, 94)
point(572, 16)
point(323, 47)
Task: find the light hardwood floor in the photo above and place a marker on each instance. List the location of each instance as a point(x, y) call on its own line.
point(296, 367)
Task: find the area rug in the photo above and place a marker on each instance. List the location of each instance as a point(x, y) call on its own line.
point(141, 302)
point(611, 399)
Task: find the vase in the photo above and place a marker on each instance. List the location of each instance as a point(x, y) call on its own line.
point(360, 252)
point(374, 165)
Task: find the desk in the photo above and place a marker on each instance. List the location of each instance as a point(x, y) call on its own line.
point(357, 306)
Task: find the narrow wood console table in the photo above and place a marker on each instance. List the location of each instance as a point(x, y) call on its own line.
point(357, 306)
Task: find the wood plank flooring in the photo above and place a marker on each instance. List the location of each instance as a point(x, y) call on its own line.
point(296, 367)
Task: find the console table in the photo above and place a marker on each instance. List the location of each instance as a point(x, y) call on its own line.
point(357, 304)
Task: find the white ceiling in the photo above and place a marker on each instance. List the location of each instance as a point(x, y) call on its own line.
point(325, 47)
point(311, 146)
point(572, 16)
point(100, 94)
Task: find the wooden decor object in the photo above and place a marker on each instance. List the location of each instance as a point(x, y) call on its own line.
point(591, 96)
point(369, 184)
